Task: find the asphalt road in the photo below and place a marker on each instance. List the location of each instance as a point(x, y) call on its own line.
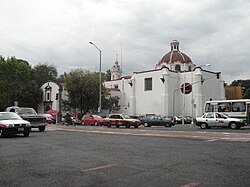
point(98, 156)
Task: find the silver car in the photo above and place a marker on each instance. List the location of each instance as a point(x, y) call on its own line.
point(217, 119)
point(11, 123)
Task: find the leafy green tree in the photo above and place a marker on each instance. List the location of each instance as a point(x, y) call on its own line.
point(44, 73)
point(17, 83)
point(83, 91)
point(107, 75)
point(245, 84)
point(246, 94)
point(111, 103)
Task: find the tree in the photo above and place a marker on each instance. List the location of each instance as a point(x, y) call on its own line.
point(44, 73)
point(107, 75)
point(245, 84)
point(17, 83)
point(83, 92)
point(111, 103)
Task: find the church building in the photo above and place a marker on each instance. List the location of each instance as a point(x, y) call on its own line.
point(175, 86)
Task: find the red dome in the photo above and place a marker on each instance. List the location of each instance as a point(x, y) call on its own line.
point(175, 55)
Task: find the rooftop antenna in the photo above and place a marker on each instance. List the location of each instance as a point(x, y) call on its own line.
point(121, 59)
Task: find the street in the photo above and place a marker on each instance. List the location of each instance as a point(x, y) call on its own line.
point(98, 156)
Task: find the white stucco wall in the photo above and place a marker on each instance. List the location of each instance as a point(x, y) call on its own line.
point(54, 91)
point(136, 101)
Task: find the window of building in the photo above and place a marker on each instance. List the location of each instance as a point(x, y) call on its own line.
point(116, 86)
point(177, 68)
point(148, 84)
point(48, 96)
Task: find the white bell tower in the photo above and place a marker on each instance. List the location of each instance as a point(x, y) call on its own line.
point(116, 72)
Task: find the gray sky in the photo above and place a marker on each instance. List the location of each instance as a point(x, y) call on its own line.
point(58, 32)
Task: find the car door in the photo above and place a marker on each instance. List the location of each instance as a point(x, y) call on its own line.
point(114, 119)
point(211, 120)
point(91, 120)
point(221, 120)
point(86, 118)
point(159, 121)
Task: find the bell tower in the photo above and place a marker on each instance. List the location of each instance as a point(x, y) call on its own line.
point(116, 72)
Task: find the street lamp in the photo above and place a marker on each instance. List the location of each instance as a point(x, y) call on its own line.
point(100, 78)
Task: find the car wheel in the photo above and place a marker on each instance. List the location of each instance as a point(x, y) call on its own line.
point(127, 126)
point(203, 126)
point(233, 125)
point(26, 133)
point(4, 134)
point(146, 125)
point(108, 125)
point(117, 126)
point(167, 125)
point(41, 129)
point(83, 123)
point(96, 124)
point(135, 126)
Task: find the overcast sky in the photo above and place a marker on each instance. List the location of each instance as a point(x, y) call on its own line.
point(58, 32)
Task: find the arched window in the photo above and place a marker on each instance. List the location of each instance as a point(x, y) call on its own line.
point(178, 68)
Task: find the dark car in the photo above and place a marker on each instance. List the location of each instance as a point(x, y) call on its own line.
point(29, 114)
point(11, 123)
point(155, 120)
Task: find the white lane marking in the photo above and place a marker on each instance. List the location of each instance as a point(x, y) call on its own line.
point(192, 184)
point(212, 140)
point(98, 168)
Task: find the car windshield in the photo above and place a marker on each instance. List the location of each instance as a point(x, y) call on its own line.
point(96, 116)
point(126, 116)
point(26, 111)
point(9, 116)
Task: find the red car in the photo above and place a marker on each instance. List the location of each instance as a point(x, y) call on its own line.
point(92, 119)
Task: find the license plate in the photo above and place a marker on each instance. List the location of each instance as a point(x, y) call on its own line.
point(20, 129)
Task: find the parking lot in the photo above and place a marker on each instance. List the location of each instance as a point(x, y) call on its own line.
point(101, 156)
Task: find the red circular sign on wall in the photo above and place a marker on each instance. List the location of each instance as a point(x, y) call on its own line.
point(188, 88)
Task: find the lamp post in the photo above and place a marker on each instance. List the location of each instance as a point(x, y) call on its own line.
point(192, 101)
point(100, 78)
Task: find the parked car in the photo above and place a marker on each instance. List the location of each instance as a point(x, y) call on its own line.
point(11, 123)
point(155, 120)
point(121, 120)
point(92, 119)
point(29, 114)
point(187, 119)
point(76, 121)
point(50, 119)
point(217, 119)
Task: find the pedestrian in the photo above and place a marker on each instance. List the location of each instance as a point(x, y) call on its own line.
point(67, 118)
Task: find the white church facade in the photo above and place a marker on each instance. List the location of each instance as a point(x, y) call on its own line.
point(161, 90)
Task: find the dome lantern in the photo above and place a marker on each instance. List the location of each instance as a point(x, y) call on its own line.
point(175, 59)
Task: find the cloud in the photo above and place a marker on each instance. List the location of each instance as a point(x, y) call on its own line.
point(59, 31)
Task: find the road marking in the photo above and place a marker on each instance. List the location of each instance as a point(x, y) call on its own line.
point(192, 184)
point(98, 168)
point(206, 136)
point(212, 140)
